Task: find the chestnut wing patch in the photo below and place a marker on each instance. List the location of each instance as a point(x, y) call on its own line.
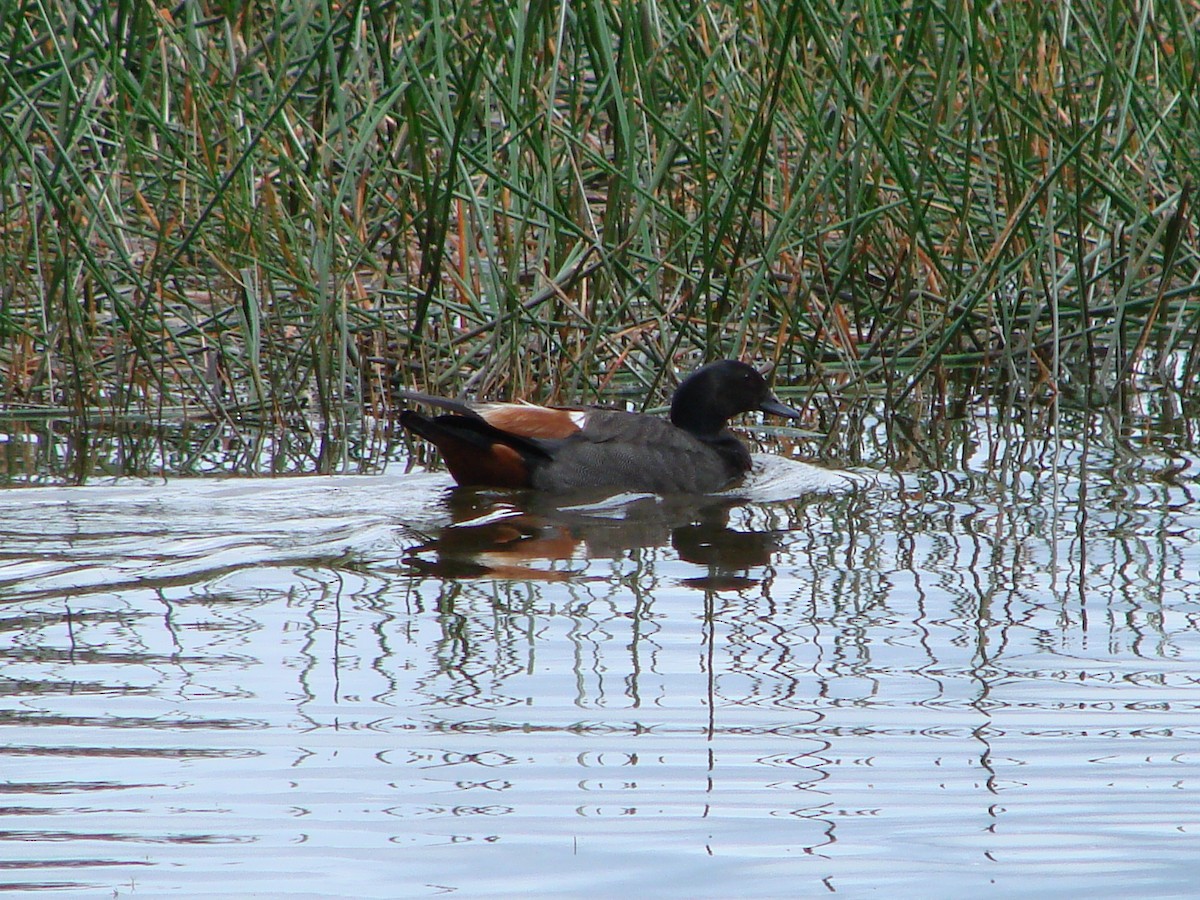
point(529, 421)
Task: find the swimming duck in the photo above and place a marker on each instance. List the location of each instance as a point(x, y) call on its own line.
point(519, 445)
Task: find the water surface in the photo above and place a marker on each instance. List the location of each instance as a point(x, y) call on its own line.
point(975, 675)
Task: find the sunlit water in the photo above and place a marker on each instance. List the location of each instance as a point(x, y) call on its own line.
point(983, 677)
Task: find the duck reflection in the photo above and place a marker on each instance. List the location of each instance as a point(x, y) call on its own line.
point(529, 535)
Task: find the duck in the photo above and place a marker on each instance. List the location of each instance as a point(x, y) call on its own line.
point(565, 449)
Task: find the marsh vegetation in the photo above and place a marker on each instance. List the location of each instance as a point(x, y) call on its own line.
point(251, 213)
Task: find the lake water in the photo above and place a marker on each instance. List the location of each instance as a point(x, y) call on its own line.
point(976, 672)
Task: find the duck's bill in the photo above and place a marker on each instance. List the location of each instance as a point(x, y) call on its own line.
point(773, 406)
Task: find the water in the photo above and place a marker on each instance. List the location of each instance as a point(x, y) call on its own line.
point(975, 675)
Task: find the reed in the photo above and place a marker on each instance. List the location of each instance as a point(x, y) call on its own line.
point(259, 212)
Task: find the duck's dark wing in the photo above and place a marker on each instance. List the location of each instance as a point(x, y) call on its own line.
point(477, 453)
point(642, 454)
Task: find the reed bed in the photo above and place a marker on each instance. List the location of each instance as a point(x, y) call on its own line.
point(272, 212)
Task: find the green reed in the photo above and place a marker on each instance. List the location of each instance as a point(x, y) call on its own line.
point(245, 210)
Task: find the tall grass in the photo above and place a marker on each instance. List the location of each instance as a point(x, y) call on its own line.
point(266, 212)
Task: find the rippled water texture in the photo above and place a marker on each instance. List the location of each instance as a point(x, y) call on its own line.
point(982, 677)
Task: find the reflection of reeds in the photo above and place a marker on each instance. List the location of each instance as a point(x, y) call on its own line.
point(274, 213)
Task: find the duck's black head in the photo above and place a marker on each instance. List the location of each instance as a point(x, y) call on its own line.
point(713, 394)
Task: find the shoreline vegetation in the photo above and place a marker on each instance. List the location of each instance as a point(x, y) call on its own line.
point(268, 214)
